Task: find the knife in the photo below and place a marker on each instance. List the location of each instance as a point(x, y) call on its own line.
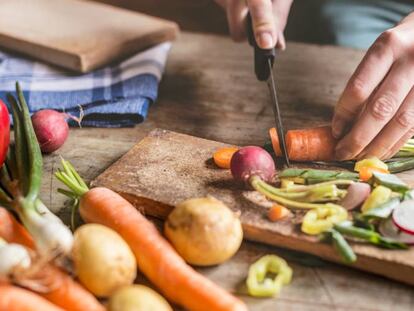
point(263, 67)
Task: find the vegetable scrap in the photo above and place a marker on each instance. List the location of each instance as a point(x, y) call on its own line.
point(278, 212)
point(371, 192)
point(261, 284)
point(222, 157)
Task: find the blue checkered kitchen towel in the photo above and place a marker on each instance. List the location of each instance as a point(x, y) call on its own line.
point(115, 96)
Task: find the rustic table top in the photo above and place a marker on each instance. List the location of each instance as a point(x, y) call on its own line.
point(209, 90)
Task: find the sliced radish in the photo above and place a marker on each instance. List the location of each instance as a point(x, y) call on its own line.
point(403, 216)
point(389, 230)
point(356, 194)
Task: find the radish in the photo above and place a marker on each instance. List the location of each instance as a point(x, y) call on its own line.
point(51, 129)
point(356, 194)
point(403, 216)
point(252, 161)
point(389, 230)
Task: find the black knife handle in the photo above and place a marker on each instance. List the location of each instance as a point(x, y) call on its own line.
point(261, 56)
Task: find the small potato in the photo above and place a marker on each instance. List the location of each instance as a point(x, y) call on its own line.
point(137, 298)
point(103, 260)
point(204, 231)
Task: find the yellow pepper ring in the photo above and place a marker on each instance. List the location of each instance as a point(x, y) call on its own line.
point(323, 218)
point(259, 285)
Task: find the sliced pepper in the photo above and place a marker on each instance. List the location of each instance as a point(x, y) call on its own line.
point(371, 162)
point(322, 219)
point(259, 284)
point(378, 196)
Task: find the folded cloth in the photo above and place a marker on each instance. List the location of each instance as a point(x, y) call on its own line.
point(114, 96)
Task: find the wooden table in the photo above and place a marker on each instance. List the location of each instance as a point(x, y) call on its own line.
point(209, 90)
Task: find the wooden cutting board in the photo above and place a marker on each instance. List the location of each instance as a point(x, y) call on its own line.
point(78, 35)
point(166, 168)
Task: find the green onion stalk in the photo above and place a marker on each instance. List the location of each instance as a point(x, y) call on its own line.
point(20, 182)
point(302, 197)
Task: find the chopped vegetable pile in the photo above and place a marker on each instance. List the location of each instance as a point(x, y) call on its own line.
point(369, 205)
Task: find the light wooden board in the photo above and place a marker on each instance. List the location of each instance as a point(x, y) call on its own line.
point(78, 35)
point(166, 168)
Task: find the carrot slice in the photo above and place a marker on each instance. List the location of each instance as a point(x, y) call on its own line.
point(365, 173)
point(314, 144)
point(222, 157)
point(275, 141)
point(277, 212)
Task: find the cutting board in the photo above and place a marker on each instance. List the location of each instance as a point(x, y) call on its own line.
point(166, 168)
point(78, 35)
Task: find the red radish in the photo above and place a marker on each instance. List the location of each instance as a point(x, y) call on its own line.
point(356, 194)
point(51, 129)
point(389, 230)
point(403, 216)
point(252, 161)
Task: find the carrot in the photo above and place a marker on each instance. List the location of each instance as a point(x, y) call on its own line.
point(365, 173)
point(277, 212)
point(13, 298)
point(64, 291)
point(314, 144)
point(12, 231)
point(155, 256)
point(222, 157)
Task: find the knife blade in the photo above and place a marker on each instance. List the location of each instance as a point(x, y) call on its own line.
point(276, 112)
point(263, 67)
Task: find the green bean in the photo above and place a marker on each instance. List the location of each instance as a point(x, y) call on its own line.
point(343, 247)
point(401, 166)
point(370, 236)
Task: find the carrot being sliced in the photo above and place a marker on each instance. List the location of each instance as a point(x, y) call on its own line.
point(156, 258)
point(64, 291)
point(313, 144)
point(13, 298)
point(222, 157)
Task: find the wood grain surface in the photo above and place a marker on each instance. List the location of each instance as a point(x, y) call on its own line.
point(78, 35)
point(209, 90)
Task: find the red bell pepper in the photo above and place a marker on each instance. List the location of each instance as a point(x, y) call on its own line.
point(4, 131)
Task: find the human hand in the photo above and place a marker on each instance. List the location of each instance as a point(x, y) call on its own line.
point(375, 113)
point(268, 17)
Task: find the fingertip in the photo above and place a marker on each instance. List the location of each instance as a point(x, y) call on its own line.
point(265, 40)
point(281, 42)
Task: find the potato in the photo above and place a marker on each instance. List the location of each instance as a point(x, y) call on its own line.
point(137, 298)
point(103, 260)
point(204, 231)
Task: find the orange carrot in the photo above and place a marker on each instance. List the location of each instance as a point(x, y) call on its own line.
point(365, 173)
point(12, 231)
point(155, 256)
point(64, 291)
point(314, 144)
point(222, 157)
point(13, 298)
point(277, 212)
